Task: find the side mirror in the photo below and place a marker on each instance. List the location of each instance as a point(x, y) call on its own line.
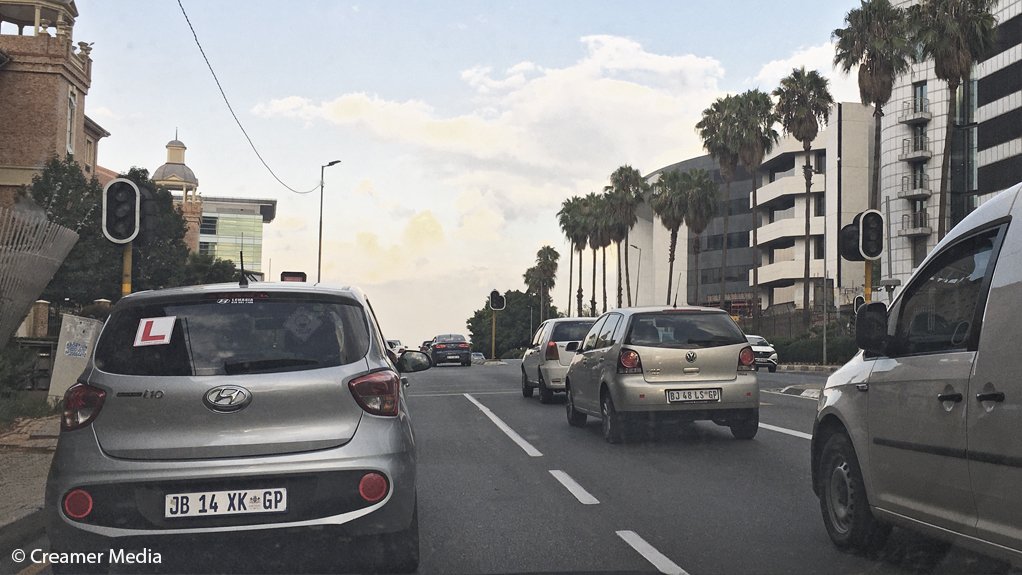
point(572, 346)
point(871, 328)
point(412, 361)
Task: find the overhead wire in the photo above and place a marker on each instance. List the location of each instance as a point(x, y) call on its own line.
point(231, 109)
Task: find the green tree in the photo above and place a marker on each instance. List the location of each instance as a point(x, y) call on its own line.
point(159, 254)
point(703, 201)
point(717, 128)
point(570, 219)
point(512, 324)
point(875, 38)
point(756, 138)
point(803, 103)
point(670, 203)
point(628, 189)
point(205, 269)
point(954, 33)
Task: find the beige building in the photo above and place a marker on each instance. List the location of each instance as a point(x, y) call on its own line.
point(44, 78)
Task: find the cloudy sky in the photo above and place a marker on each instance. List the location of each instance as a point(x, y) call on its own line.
point(461, 126)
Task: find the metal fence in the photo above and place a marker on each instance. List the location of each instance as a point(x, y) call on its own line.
point(31, 250)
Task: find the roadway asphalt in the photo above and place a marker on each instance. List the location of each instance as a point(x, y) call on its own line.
point(539, 496)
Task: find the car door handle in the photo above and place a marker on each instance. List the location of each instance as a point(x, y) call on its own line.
point(862, 386)
point(997, 396)
point(955, 397)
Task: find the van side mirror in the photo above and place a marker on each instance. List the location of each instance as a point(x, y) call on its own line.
point(572, 346)
point(871, 328)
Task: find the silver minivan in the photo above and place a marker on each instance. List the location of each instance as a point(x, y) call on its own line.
point(923, 429)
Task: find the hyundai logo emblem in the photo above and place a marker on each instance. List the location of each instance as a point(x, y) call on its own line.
point(227, 398)
point(690, 357)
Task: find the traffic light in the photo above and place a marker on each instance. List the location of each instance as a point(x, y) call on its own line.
point(121, 209)
point(848, 241)
point(858, 302)
point(871, 234)
point(497, 302)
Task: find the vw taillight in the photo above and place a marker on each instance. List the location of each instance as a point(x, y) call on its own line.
point(628, 361)
point(82, 403)
point(551, 352)
point(746, 359)
point(377, 393)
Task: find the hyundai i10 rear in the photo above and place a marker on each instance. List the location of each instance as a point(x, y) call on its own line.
point(226, 425)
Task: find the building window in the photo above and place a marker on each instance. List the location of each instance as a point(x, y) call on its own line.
point(72, 108)
point(208, 225)
point(919, 103)
point(821, 162)
point(820, 205)
point(206, 248)
point(819, 252)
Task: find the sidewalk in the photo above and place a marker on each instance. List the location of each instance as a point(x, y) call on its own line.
point(25, 453)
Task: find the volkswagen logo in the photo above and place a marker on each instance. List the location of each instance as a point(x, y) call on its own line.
point(227, 398)
point(690, 357)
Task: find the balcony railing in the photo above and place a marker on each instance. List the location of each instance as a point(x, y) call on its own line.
point(915, 187)
point(915, 149)
point(915, 224)
point(915, 111)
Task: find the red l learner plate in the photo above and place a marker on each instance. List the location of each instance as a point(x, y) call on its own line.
point(201, 503)
point(693, 395)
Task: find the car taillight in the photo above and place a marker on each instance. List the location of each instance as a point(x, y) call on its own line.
point(551, 352)
point(82, 403)
point(463, 345)
point(78, 504)
point(628, 362)
point(439, 346)
point(377, 393)
point(373, 487)
point(746, 359)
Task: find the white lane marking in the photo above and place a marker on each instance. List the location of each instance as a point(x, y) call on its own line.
point(791, 432)
point(648, 552)
point(525, 445)
point(461, 393)
point(583, 496)
point(790, 395)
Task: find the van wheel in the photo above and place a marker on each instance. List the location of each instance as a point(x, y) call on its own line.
point(575, 417)
point(745, 428)
point(843, 501)
point(546, 395)
point(526, 388)
point(613, 422)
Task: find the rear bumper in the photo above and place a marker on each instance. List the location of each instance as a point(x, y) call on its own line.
point(79, 462)
point(553, 374)
point(632, 393)
point(439, 357)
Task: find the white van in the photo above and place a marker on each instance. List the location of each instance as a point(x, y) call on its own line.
point(923, 429)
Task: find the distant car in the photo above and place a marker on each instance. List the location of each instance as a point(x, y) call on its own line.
point(450, 348)
point(686, 364)
point(546, 361)
point(396, 345)
point(766, 355)
point(424, 348)
point(478, 357)
point(270, 411)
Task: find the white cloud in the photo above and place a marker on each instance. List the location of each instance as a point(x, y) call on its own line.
point(844, 88)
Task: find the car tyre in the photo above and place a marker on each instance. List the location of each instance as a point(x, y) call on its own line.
point(772, 368)
point(546, 395)
point(745, 428)
point(526, 388)
point(575, 417)
point(843, 501)
point(613, 422)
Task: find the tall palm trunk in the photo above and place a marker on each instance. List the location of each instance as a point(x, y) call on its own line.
point(579, 294)
point(620, 287)
point(670, 264)
point(628, 272)
point(604, 254)
point(757, 258)
point(945, 163)
point(593, 293)
point(807, 170)
point(723, 256)
point(697, 301)
point(571, 275)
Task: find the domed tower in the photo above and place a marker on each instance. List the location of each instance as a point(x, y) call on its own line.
point(181, 181)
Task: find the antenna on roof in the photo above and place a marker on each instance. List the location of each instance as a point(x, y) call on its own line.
point(244, 278)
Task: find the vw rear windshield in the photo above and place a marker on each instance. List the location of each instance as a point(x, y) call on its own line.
point(571, 330)
point(228, 334)
point(684, 330)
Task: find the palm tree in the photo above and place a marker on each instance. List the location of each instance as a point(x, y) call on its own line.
point(570, 219)
point(717, 130)
point(603, 223)
point(954, 33)
point(803, 103)
point(756, 138)
point(670, 203)
point(618, 234)
point(630, 188)
point(876, 40)
point(546, 267)
point(703, 201)
point(593, 223)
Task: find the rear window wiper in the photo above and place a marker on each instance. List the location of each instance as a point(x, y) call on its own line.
point(259, 365)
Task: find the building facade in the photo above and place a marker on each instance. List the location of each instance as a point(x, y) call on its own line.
point(986, 150)
point(44, 78)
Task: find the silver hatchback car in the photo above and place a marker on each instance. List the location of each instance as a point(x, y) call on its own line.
point(224, 418)
point(546, 362)
point(686, 364)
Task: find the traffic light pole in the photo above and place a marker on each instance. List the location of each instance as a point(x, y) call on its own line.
point(126, 270)
point(493, 334)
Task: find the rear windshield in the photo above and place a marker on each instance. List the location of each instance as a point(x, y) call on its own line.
point(449, 338)
point(227, 335)
point(571, 330)
point(688, 330)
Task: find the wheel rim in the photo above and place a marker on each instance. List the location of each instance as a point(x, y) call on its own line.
point(569, 406)
point(839, 497)
point(605, 412)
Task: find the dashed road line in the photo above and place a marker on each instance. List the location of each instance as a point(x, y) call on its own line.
point(461, 393)
point(649, 553)
point(583, 496)
point(525, 445)
point(786, 431)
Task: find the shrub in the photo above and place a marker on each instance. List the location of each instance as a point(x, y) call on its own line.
point(840, 349)
point(516, 353)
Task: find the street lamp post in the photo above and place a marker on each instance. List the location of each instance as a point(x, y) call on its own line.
point(638, 273)
point(319, 256)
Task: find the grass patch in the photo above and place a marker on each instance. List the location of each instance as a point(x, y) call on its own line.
point(14, 405)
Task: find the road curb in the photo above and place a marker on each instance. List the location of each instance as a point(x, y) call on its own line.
point(23, 531)
point(808, 393)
